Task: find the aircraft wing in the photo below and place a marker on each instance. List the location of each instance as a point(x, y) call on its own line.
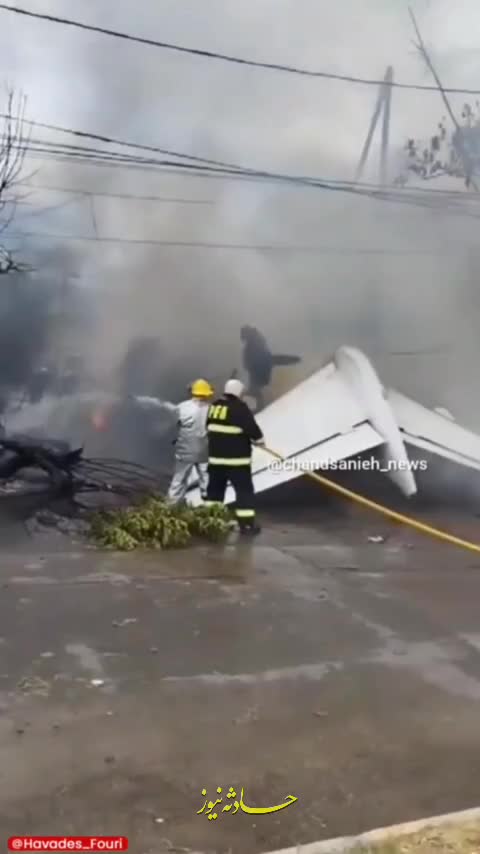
point(343, 410)
point(434, 431)
point(320, 416)
point(317, 422)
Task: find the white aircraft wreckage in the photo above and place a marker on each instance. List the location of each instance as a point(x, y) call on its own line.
point(345, 411)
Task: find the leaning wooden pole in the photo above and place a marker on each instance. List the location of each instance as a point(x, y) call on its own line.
point(371, 131)
point(387, 101)
point(382, 105)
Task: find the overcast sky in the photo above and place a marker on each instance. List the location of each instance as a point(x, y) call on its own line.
point(91, 81)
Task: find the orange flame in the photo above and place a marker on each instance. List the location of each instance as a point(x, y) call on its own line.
point(100, 420)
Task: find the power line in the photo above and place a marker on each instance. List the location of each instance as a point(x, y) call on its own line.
point(88, 154)
point(235, 168)
point(59, 150)
point(83, 154)
point(413, 198)
point(240, 247)
point(173, 153)
point(154, 149)
point(70, 150)
point(130, 196)
point(97, 157)
point(115, 159)
point(32, 144)
point(45, 147)
point(167, 166)
point(101, 155)
point(207, 54)
point(50, 208)
point(436, 193)
point(183, 155)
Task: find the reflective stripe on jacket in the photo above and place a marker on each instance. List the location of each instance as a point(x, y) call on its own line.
point(231, 429)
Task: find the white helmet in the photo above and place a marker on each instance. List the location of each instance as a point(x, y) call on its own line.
point(235, 388)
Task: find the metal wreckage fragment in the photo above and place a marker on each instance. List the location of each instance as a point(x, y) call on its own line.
point(69, 473)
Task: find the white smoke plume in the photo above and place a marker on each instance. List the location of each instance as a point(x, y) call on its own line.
point(415, 310)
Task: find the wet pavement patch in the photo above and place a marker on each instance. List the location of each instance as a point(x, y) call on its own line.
point(342, 672)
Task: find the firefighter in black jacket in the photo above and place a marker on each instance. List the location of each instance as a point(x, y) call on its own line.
point(231, 430)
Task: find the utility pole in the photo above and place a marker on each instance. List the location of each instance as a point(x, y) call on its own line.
point(382, 107)
point(387, 101)
point(383, 110)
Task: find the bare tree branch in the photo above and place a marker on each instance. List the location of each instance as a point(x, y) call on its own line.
point(442, 155)
point(13, 146)
point(458, 139)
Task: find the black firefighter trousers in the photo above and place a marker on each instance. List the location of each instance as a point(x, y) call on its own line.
point(240, 478)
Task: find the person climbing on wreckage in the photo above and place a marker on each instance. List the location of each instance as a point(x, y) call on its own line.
point(191, 444)
point(258, 362)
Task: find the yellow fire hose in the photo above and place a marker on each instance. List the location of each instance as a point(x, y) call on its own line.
point(385, 511)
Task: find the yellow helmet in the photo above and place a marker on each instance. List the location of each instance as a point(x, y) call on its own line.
point(201, 388)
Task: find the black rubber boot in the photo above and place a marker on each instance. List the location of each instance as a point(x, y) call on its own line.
point(250, 530)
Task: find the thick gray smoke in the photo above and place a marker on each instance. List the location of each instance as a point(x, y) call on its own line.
point(398, 281)
point(34, 318)
point(24, 326)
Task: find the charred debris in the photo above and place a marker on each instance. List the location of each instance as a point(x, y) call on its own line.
point(60, 472)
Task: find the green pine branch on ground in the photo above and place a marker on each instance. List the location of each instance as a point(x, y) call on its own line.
point(155, 524)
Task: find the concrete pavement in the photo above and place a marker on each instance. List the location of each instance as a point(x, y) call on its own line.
point(312, 663)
